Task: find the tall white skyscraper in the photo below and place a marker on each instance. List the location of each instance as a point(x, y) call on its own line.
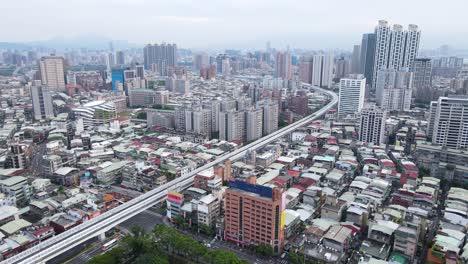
point(450, 122)
point(322, 70)
point(382, 48)
point(395, 48)
point(42, 102)
point(351, 96)
point(53, 72)
point(394, 89)
point(372, 125)
point(254, 124)
point(413, 36)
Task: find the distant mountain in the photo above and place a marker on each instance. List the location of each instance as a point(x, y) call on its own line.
point(65, 43)
point(14, 46)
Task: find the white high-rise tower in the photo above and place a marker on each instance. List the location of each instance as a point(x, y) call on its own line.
point(395, 48)
point(351, 97)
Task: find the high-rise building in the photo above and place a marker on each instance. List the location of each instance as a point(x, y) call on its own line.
point(450, 125)
point(110, 61)
point(413, 36)
point(305, 71)
point(254, 124)
point(219, 62)
point(181, 86)
point(432, 116)
point(200, 60)
point(140, 71)
point(253, 215)
point(343, 67)
point(232, 125)
point(162, 97)
point(202, 122)
point(226, 67)
point(394, 89)
point(215, 108)
point(422, 81)
point(42, 102)
point(395, 48)
point(372, 125)
point(351, 95)
point(270, 116)
point(163, 55)
point(208, 73)
point(283, 66)
point(322, 70)
point(118, 78)
point(355, 59)
point(299, 103)
point(120, 57)
point(367, 56)
point(52, 70)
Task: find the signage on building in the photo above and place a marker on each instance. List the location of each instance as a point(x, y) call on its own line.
point(253, 188)
point(175, 197)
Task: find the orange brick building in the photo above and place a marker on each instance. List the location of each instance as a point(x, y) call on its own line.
point(254, 215)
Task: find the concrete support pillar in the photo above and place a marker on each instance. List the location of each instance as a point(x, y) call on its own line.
point(102, 237)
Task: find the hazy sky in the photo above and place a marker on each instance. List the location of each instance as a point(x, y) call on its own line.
point(232, 24)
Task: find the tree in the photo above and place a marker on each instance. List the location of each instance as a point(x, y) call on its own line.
point(424, 172)
point(294, 258)
point(137, 244)
point(206, 229)
point(114, 256)
point(141, 115)
point(263, 250)
point(152, 258)
point(178, 221)
point(60, 190)
point(282, 123)
point(102, 259)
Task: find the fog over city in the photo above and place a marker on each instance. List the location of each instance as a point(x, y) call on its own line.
point(236, 24)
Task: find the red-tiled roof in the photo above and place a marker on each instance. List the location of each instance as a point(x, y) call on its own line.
point(387, 163)
point(279, 181)
point(294, 173)
point(411, 174)
point(42, 231)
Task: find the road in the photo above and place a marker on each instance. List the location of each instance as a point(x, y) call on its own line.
point(86, 255)
point(36, 161)
point(146, 219)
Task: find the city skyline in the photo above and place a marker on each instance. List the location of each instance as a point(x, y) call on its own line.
point(304, 25)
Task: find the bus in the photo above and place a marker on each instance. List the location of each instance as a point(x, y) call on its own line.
point(112, 243)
